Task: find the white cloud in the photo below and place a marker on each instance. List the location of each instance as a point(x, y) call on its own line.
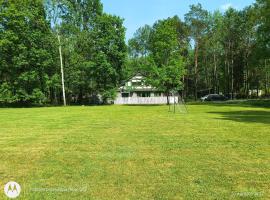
point(226, 6)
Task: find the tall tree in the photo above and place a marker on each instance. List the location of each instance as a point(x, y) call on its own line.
point(166, 51)
point(196, 19)
point(214, 48)
point(231, 44)
point(110, 52)
point(139, 44)
point(94, 49)
point(263, 15)
point(26, 64)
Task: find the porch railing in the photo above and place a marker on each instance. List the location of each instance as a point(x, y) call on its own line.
point(144, 100)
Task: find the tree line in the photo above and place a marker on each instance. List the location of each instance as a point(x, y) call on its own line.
point(206, 52)
point(93, 51)
point(226, 53)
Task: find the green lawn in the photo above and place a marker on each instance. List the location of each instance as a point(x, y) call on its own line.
point(217, 151)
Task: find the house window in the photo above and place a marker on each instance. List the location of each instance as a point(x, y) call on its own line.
point(137, 84)
point(125, 94)
point(143, 94)
point(157, 94)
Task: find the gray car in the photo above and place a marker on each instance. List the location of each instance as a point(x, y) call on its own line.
point(213, 97)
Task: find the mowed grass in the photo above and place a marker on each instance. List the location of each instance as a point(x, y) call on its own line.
point(216, 151)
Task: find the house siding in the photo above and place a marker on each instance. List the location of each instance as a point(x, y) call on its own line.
point(136, 92)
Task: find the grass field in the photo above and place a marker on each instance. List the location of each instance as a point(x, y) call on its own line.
point(217, 151)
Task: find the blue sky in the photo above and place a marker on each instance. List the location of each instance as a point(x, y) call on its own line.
point(140, 12)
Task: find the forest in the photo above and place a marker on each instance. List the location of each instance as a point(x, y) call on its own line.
point(205, 52)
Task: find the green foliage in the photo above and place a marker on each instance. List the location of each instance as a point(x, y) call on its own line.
point(109, 35)
point(139, 44)
point(263, 16)
point(220, 52)
point(108, 95)
point(168, 77)
point(157, 53)
point(207, 53)
point(93, 48)
point(38, 97)
point(26, 49)
point(164, 40)
point(196, 20)
point(5, 93)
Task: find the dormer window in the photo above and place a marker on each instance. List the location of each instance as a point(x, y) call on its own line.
point(137, 84)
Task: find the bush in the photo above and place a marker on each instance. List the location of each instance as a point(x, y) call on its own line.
point(5, 94)
point(38, 97)
point(108, 96)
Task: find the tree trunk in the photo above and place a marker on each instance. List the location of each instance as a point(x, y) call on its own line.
point(215, 73)
point(187, 87)
point(80, 98)
point(246, 81)
point(183, 90)
point(232, 81)
point(168, 100)
point(266, 79)
point(258, 83)
point(228, 76)
point(196, 71)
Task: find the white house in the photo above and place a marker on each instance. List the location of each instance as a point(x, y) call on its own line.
point(135, 91)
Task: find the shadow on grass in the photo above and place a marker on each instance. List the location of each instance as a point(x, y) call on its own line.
point(139, 105)
point(248, 116)
point(237, 103)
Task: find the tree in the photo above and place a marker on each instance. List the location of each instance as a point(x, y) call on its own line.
point(263, 15)
point(248, 46)
point(26, 65)
point(166, 51)
point(94, 50)
point(139, 44)
point(233, 56)
point(196, 20)
point(214, 48)
point(167, 78)
point(110, 52)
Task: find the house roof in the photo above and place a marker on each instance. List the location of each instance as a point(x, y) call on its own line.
point(146, 88)
point(131, 77)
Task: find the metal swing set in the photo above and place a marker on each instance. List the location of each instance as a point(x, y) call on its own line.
point(177, 104)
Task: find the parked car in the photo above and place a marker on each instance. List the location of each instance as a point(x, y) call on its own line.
point(214, 97)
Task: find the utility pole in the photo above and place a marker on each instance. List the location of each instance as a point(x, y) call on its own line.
point(62, 70)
